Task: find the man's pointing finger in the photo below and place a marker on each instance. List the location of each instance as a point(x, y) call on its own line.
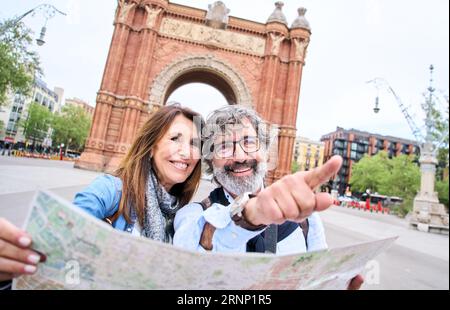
point(321, 175)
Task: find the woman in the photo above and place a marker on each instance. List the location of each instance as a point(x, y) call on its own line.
point(159, 175)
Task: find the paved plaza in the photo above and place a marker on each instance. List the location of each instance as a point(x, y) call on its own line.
point(416, 261)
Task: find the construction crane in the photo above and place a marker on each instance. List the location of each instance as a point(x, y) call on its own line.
point(381, 83)
point(428, 138)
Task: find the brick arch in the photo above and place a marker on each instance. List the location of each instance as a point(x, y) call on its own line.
point(205, 69)
point(158, 46)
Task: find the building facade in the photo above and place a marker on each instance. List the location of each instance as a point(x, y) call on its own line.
point(82, 104)
point(159, 46)
point(353, 144)
point(17, 108)
point(308, 154)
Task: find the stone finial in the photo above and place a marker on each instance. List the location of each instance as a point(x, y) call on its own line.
point(217, 15)
point(278, 15)
point(300, 21)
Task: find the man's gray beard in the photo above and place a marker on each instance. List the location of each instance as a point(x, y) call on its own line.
point(241, 185)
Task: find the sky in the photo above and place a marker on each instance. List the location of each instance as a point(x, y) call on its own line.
point(352, 42)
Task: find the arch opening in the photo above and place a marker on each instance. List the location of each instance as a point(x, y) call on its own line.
point(188, 96)
point(202, 77)
point(200, 69)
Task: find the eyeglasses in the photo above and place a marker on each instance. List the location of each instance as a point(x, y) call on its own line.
point(227, 149)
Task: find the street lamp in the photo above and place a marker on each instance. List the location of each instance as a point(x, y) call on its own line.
point(377, 105)
point(49, 11)
point(428, 214)
point(40, 41)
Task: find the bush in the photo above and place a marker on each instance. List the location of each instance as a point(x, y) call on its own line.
point(442, 189)
point(403, 209)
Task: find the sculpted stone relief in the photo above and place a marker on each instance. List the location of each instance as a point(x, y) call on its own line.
point(125, 9)
point(217, 14)
point(152, 14)
point(276, 43)
point(300, 49)
point(166, 50)
point(207, 35)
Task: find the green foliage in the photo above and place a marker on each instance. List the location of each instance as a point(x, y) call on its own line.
point(403, 209)
point(442, 122)
point(17, 63)
point(71, 127)
point(403, 178)
point(399, 177)
point(37, 123)
point(439, 112)
point(295, 167)
point(370, 173)
point(442, 189)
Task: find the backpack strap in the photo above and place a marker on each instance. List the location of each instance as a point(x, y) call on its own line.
point(271, 239)
point(259, 244)
point(208, 229)
point(111, 219)
point(305, 228)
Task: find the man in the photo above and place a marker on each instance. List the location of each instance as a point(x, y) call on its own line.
point(241, 215)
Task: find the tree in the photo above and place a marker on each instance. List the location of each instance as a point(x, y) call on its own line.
point(18, 63)
point(295, 167)
point(71, 127)
point(370, 173)
point(403, 178)
point(398, 176)
point(442, 189)
point(441, 122)
point(37, 123)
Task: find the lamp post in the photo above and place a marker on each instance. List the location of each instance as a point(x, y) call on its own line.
point(428, 214)
point(49, 11)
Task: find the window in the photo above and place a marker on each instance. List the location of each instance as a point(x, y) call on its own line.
point(11, 127)
point(338, 152)
point(308, 153)
point(405, 149)
point(317, 156)
point(339, 144)
point(380, 144)
point(38, 98)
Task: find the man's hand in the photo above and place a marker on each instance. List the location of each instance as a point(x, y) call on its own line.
point(293, 198)
point(16, 258)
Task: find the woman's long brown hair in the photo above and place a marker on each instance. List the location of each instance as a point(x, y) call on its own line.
point(134, 168)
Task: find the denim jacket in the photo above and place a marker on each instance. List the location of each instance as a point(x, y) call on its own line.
point(101, 199)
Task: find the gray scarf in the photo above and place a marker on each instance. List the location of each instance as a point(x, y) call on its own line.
point(160, 211)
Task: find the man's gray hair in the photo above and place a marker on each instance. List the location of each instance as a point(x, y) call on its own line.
point(222, 119)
